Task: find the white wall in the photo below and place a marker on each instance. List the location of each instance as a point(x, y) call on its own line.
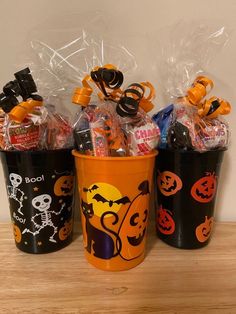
point(139, 22)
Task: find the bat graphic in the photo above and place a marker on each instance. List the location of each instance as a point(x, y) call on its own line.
point(94, 187)
point(99, 198)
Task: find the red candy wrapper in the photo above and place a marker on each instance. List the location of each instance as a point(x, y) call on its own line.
point(24, 136)
point(58, 132)
point(206, 134)
point(142, 134)
point(99, 139)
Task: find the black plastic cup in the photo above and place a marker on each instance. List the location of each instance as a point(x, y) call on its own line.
point(186, 184)
point(40, 191)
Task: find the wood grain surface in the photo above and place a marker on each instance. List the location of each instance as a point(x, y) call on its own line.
point(168, 281)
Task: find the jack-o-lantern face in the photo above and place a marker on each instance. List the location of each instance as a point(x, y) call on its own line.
point(165, 222)
point(169, 183)
point(138, 222)
point(204, 189)
point(203, 231)
point(17, 233)
point(66, 230)
point(64, 186)
point(134, 227)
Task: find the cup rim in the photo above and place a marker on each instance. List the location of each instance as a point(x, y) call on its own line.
point(35, 152)
point(109, 158)
point(189, 152)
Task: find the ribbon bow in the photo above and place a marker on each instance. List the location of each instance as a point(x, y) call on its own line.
point(109, 80)
point(134, 97)
point(213, 107)
point(200, 88)
point(23, 86)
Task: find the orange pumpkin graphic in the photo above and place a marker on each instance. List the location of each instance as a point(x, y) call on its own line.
point(134, 227)
point(165, 222)
point(169, 183)
point(204, 189)
point(17, 233)
point(64, 186)
point(203, 231)
point(66, 230)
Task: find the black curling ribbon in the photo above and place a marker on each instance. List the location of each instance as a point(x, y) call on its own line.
point(26, 83)
point(23, 86)
point(107, 78)
point(129, 102)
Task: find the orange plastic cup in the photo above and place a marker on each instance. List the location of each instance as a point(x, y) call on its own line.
point(114, 201)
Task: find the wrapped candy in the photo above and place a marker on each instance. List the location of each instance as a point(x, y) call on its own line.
point(27, 124)
point(141, 133)
point(163, 119)
point(193, 123)
point(192, 120)
point(114, 125)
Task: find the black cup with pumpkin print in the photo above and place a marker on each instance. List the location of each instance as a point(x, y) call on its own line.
point(186, 191)
point(40, 191)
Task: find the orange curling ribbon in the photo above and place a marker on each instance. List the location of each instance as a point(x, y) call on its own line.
point(146, 102)
point(213, 107)
point(200, 88)
point(109, 79)
point(19, 112)
point(82, 95)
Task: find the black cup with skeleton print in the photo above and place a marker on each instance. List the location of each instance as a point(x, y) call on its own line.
point(40, 187)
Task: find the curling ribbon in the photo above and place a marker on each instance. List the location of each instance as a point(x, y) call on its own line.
point(133, 97)
point(129, 102)
point(213, 107)
point(146, 102)
point(20, 111)
point(108, 79)
point(200, 88)
point(82, 95)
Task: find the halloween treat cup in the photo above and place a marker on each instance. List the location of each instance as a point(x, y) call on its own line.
point(40, 188)
point(36, 143)
point(114, 200)
point(115, 142)
point(186, 192)
point(194, 137)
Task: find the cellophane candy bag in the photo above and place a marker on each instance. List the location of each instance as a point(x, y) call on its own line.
point(192, 121)
point(26, 124)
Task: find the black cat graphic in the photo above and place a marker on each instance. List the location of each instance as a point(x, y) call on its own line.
point(98, 240)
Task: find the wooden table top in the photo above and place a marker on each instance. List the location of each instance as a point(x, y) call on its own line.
point(168, 281)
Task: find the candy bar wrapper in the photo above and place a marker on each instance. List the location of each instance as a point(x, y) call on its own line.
point(82, 134)
point(58, 133)
point(25, 135)
point(40, 130)
point(163, 119)
point(142, 134)
point(188, 131)
point(117, 143)
point(98, 133)
point(3, 123)
point(99, 138)
point(85, 138)
point(214, 133)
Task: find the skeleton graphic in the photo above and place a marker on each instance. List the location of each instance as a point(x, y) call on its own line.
point(14, 192)
point(42, 203)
